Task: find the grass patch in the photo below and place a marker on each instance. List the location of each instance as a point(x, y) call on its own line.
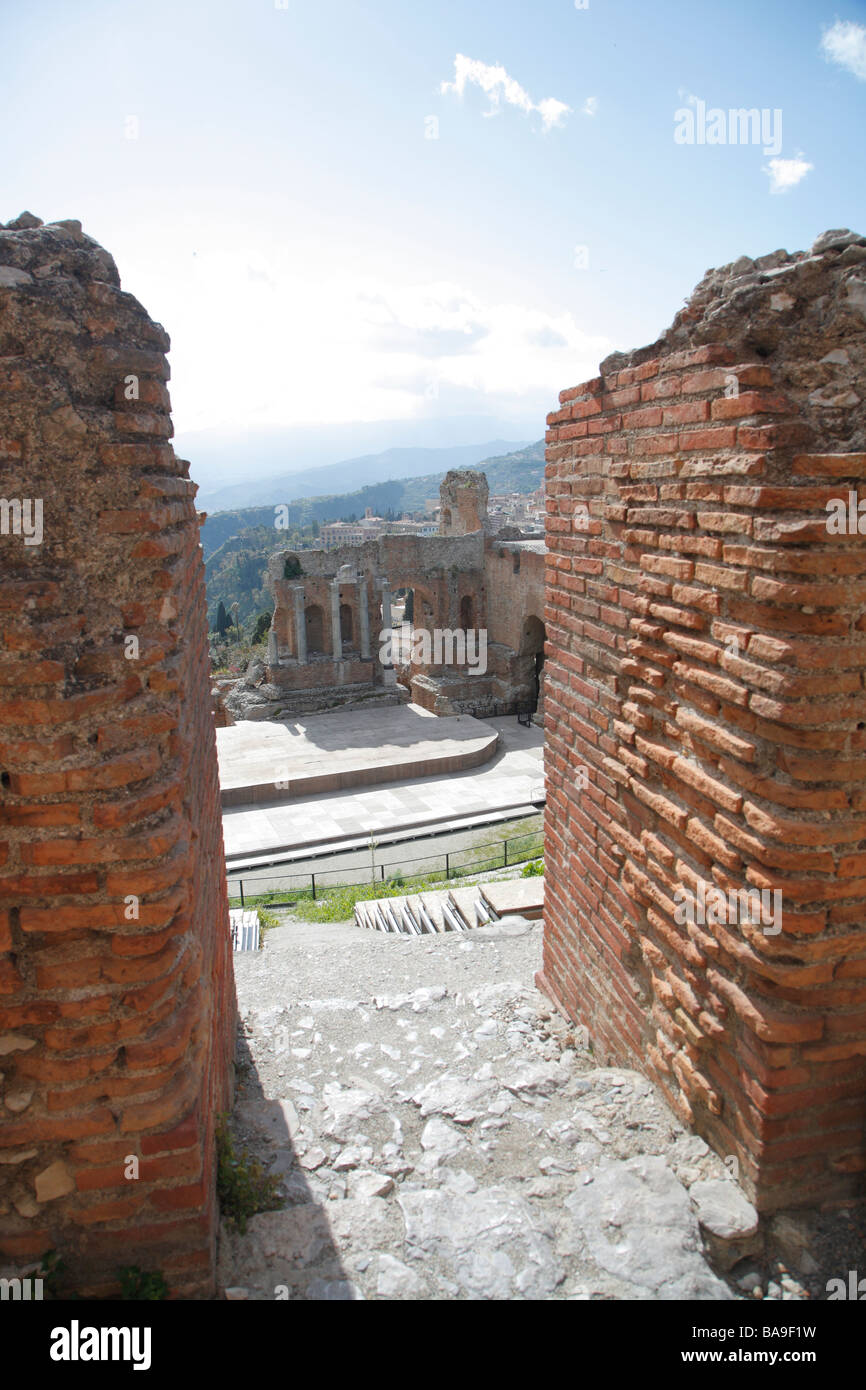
point(336, 902)
point(534, 869)
point(267, 921)
point(272, 895)
point(243, 1187)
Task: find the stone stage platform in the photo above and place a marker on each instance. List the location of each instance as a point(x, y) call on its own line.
point(282, 760)
point(510, 785)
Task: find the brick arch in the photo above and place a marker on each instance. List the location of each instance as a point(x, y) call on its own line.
point(533, 636)
point(425, 602)
point(314, 621)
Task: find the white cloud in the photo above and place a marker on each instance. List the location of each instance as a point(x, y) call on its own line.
point(336, 341)
point(498, 86)
point(508, 349)
point(786, 173)
point(590, 106)
point(845, 43)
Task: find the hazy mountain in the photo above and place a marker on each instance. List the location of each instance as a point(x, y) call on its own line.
point(219, 460)
point(519, 471)
point(335, 478)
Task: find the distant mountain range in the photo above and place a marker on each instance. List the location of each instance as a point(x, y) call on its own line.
point(261, 458)
point(334, 479)
point(237, 544)
point(521, 470)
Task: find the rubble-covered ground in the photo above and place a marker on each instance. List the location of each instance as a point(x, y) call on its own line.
point(440, 1133)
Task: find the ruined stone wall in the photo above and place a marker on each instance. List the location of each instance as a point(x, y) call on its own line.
point(514, 577)
point(497, 586)
point(706, 720)
point(463, 495)
point(117, 1018)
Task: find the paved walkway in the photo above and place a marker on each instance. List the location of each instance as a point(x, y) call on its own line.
point(513, 779)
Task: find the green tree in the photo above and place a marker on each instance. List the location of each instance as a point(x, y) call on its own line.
point(222, 619)
point(260, 631)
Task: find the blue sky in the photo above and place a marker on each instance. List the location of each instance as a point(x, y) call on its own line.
point(266, 181)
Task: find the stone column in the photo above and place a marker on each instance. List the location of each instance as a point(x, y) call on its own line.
point(386, 614)
point(336, 638)
point(386, 603)
point(300, 624)
point(364, 620)
point(273, 653)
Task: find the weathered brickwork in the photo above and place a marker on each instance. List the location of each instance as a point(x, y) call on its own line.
point(117, 1017)
point(706, 720)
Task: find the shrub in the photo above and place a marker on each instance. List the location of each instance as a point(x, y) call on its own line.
point(534, 869)
point(267, 920)
point(142, 1284)
point(52, 1271)
point(243, 1187)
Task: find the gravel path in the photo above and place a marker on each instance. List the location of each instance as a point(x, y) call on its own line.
point(441, 1135)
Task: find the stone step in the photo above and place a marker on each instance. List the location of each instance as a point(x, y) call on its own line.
point(421, 914)
point(432, 904)
point(523, 897)
point(453, 909)
point(244, 927)
point(466, 901)
point(424, 922)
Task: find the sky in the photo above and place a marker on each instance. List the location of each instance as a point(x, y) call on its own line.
point(396, 210)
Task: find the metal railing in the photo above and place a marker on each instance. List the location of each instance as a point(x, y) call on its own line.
point(314, 884)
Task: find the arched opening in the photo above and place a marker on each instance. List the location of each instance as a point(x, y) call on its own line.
point(314, 627)
point(467, 613)
point(418, 618)
point(532, 645)
point(346, 628)
point(404, 627)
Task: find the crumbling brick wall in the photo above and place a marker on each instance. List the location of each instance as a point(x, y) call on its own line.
point(117, 1019)
point(706, 720)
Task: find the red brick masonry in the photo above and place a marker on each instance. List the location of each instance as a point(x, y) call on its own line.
point(706, 657)
point(116, 985)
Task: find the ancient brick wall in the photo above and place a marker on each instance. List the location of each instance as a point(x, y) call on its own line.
point(706, 720)
point(514, 583)
point(117, 1018)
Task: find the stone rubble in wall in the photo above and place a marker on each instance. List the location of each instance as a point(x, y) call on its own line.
point(751, 306)
point(454, 1139)
point(729, 291)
